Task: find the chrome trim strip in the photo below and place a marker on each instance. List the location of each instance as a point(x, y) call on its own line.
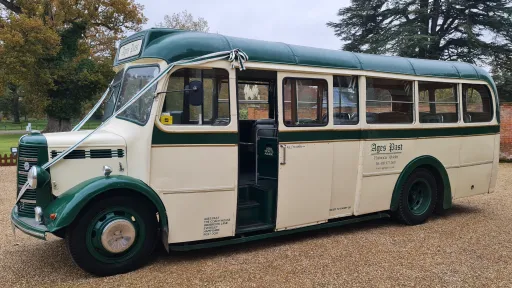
point(28, 201)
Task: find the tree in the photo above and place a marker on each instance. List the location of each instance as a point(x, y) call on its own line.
point(184, 21)
point(471, 31)
point(61, 51)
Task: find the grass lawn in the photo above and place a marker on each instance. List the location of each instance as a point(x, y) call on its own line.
point(41, 124)
point(7, 141)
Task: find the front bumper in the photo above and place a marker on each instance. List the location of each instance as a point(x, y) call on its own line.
point(28, 226)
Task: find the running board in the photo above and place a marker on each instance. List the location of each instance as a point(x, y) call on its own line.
point(244, 239)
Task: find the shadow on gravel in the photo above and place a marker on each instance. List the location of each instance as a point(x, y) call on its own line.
point(175, 257)
point(268, 244)
point(59, 267)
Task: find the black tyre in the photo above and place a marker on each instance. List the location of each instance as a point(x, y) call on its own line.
point(113, 236)
point(60, 233)
point(418, 197)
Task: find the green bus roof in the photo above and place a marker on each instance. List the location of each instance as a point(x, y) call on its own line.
point(172, 45)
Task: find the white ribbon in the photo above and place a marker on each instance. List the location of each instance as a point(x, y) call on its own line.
point(96, 106)
point(235, 55)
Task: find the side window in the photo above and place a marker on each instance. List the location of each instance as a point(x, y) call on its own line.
point(476, 103)
point(438, 102)
point(345, 100)
point(253, 100)
point(215, 108)
point(389, 101)
point(305, 102)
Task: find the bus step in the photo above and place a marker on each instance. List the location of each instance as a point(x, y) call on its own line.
point(258, 226)
point(248, 205)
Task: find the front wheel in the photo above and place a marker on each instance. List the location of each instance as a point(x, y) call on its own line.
point(113, 236)
point(418, 197)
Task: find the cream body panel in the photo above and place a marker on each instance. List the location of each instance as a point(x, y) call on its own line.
point(473, 180)
point(383, 161)
point(477, 157)
point(376, 194)
point(68, 173)
point(304, 193)
point(345, 165)
point(477, 149)
point(194, 168)
point(200, 216)
point(495, 163)
point(101, 138)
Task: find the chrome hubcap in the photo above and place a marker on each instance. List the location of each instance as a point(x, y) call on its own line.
point(118, 236)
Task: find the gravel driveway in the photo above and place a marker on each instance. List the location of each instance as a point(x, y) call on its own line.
point(469, 246)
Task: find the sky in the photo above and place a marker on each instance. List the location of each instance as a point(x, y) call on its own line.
point(299, 22)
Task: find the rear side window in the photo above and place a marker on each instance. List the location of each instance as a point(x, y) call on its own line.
point(438, 102)
point(345, 100)
point(305, 102)
point(476, 103)
point(389, 101)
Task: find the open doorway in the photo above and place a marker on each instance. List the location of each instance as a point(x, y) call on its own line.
point(258, 150)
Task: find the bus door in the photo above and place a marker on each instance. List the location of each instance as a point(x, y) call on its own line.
point(305, 153)
point(194, 154)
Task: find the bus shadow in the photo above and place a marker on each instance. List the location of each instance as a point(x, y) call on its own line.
point(175, 257)
point(270, 243)
point(62, 269)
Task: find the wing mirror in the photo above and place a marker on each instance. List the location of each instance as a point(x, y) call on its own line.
point(195, 93)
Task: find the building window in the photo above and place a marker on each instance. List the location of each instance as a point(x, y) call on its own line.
point(215, 107)
point(389, 101)
point(345, 100)
point(305, 102)
point(438, 102)
point(253, 100)
point(476, 103)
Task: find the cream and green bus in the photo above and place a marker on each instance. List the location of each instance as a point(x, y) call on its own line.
point(211, 140)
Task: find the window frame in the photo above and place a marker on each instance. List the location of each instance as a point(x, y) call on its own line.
point(284, 107)
point(414, 102)
point(121, 89)
point(463, 102)
point(228, 100)
point(358, 101)
point(458, 95)
point(243, 101)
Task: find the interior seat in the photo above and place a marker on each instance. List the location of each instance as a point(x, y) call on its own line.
point(262, 128)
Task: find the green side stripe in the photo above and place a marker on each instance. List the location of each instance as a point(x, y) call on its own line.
point(161, 138)
point(300, 136)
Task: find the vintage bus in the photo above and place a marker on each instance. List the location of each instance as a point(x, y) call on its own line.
point(198, 150)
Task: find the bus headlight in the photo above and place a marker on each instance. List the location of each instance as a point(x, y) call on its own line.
point(32, 177)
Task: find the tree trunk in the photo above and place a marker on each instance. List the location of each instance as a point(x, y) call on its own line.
point(424, 21)
point(15, 103)
point(57, 125)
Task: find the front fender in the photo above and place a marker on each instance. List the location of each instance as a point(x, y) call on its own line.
point(69, 204)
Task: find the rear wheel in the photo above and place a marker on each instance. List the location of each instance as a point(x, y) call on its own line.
point(114, 235)
point(418, 197)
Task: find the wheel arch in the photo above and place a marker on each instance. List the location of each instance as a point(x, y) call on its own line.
point(68, 205)
point(437, 169)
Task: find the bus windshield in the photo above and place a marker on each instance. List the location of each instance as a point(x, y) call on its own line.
point(125, 85)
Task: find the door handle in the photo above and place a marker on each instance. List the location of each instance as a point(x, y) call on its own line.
point(283, 161)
